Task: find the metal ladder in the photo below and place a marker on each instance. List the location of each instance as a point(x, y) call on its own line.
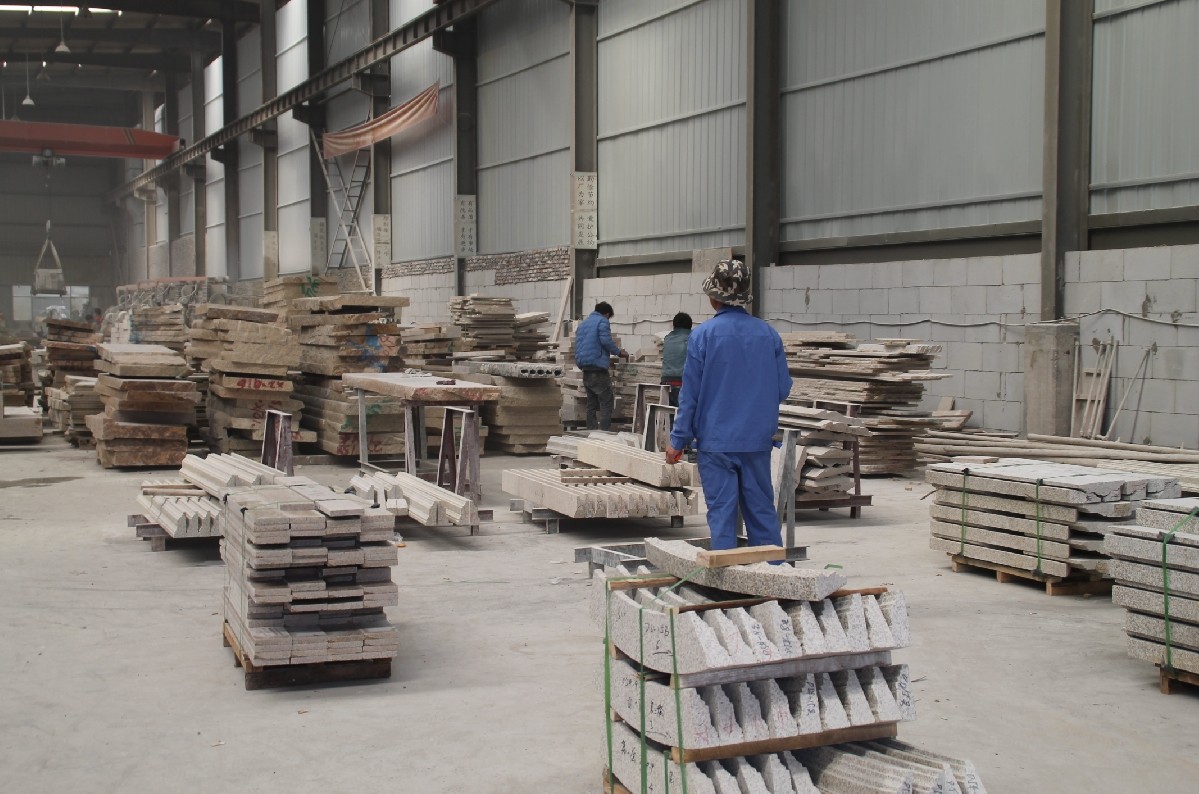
point(348, 196)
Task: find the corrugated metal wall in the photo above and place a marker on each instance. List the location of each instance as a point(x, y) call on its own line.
point(1144, 146)
point(214, 195)
point(917, 115)
point(249, 166)
point(524, 126)
point(671, 125)
point(295, 249)
point(422, 160)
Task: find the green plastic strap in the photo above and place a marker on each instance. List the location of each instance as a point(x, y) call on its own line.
point(678, 703)
point(608, 684)
point(965, 502)
point(1040, 482)
point(641, 684)
point(1166, 588)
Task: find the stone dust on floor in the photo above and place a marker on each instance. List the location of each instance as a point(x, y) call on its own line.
point(116, 679)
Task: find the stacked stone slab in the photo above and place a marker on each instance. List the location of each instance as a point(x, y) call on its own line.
point(825, 450)
point(997, 513)
point(278, 293)
point(645, 467)
point(429, 347)
point(546, 488)
point(251, 360)
point(159, 325)
point(487, 324)
point(148, 406)
point(331, 412)
point(1155, 562)
point(527, 412)
point(308, 575)
point(758, 678)
point(70, 350)
point(886, 378)
point(16, 375)
point(70, 405)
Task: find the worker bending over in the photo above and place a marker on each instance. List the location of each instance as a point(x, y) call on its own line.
point(593, 350)
point(734, 379)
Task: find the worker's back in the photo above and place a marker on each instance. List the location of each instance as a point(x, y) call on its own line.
point(590, 339)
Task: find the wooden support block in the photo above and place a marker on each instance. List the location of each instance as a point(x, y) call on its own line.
point(723, 558)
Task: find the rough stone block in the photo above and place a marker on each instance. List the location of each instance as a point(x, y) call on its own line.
point(805, 706)
point(748, 711)
point(771, 581)
point(832, 711)
point(853, 620)
point(807, 627)
point(835, 640)
point(775, 708)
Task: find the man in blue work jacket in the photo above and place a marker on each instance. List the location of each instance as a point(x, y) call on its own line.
point(593, 350)
point(733, 382)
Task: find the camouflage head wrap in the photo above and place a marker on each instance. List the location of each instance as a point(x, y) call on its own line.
point(729, 283)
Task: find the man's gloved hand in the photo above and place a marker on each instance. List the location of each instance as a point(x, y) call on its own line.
point(673, 455)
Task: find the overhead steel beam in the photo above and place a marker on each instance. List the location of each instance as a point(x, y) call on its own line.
point(224, 10)
point(89, 82)
point(155, 37)
point(162, 62)
point(398, 40)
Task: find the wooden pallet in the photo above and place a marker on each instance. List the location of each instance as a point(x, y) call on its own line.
point(1054, 585)
point(300, 674)
point(1172, 682)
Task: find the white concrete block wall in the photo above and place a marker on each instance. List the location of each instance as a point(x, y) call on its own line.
point(1146, 299)
point(431, 293)
point(976, 308)
point(430, 296)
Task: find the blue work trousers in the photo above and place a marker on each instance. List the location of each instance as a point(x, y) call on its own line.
point(739, 479)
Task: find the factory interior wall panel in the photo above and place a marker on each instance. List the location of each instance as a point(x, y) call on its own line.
point(422, 159)
point(1146, 299)
point(1144, 155)
point(899, 118)
point(645, 306)
point(295, 216)
point(250, 188)
point(524, 134)
point(671, 126)
point(214, 195)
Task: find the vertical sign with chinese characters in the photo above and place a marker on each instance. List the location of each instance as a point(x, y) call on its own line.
point(584, 214)
point(465, 226)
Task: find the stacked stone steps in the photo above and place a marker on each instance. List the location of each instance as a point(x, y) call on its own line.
point(1047, 520)
point(544, 488)
point(645, 467)
point(714, 677)
point(1157, 574)
point(826, 454)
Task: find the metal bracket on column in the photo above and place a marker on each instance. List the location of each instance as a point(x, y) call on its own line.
point(195, 171)
point(373, 85)
point(454, 44)
point(265, 137)
point(311, 114)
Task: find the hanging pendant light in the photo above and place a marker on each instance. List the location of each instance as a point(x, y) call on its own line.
point(43, 74)
point(28, 100)
point(62, 38)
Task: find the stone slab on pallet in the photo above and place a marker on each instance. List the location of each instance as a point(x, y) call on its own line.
point(681, 559)
point(646, 467)
point(421, 387)
point(140, 361)
point(544, 488)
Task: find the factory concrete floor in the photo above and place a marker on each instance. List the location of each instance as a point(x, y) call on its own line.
point(115, 678)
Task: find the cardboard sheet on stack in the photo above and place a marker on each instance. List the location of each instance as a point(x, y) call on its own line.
point(251, 371)
point(147, 406)
point(886, 378)
point(70, 405)
point(16, 375)
point(527, 412)
point(70, 349)
point(307, 576)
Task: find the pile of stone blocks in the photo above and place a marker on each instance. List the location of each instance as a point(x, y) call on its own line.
point(69, 406)
point(155, 325)
point(251, 359)
point(885, 378)
point(645, 467)
point(148, 406)
point(429, 347)
point(526, 415)
point(331, 412)
point(16, 375)
point(278, 293)
point(70, 349)
point(758, 678)
point(307, 576)
point(487, 324)
point(1047, 519)
point(1155, 562)
point(826, 448)
point(562, 492)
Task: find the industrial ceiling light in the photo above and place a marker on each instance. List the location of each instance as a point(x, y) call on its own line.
point(28, 100)
point(42, 73)
point(62, 38)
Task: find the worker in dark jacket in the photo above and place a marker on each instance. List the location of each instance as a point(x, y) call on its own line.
point(674, 354)
point(733, 382)
point(593, 350)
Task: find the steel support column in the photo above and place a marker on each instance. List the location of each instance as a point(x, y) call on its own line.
point(149, 202)
point(463, 46)
point(314, 117)
point(763, 120)
point(381, 151)
point(228, 153)
point(170, 112)
point(584, 149)
point(1067, 143)
point(199, 189)
point(268, 139)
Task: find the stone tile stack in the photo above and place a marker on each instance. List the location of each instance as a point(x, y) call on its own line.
point(885, 378)
point(251, 360)
point(487, 324)
point(70, 350)
point(159, 325)
point(527, 412)
point(1045, 521)
point(278, 293)
point(825, 452)
point(16, 375)
point(725, 677)
point(429, 347)
point(307, 576)
point(148, 406)
point(70, 405)
point(1154, 562)
point(331, 412)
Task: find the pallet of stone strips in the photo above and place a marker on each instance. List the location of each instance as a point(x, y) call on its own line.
point(1046, 520)
point(277, 676)
point(1156, 565)
point(644, 467)
point(307, 578)
point(526, 415)
point(544, 488)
